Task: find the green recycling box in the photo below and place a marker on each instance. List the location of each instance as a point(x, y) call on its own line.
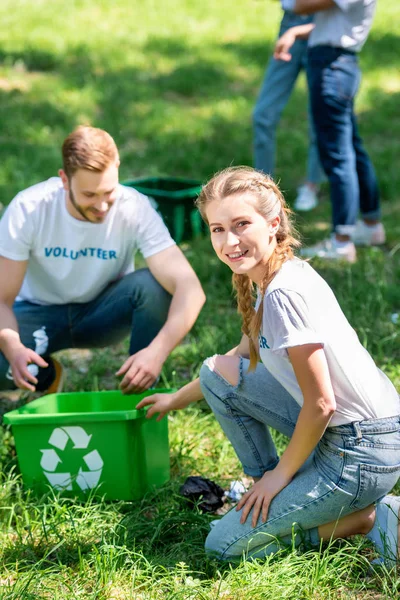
point(78, 442)
point(174, 199)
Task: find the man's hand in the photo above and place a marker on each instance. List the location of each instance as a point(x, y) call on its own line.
point(259, 497)
point(162, 404)
point(140, 371)
point(283, 45)
point(19, 359)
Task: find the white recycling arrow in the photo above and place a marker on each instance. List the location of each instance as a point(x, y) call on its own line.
point(93, 460)
point(79, 437)
point(50, 460)
point(59, 481)
point(88, 479)
point(58, 438)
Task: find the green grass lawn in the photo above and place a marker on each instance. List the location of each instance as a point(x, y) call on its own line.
point(175, 83)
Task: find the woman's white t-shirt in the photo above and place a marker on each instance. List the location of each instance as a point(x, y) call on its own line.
point(300, 308)
point(71, 260)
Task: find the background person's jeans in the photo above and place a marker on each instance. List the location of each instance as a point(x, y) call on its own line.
point(352, 466)
point(135, 304)
point(279, 80)
point(333, 80)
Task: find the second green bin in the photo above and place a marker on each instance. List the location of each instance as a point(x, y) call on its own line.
point(174, 199)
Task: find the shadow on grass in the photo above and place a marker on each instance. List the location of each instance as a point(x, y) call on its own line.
point(190, 119)
point(163, 526)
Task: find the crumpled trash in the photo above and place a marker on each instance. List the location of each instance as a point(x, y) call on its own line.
point(209, 493)
point(236, 491)
point(395, 318)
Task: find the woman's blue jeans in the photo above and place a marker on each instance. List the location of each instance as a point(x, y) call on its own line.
point(279, 80)
point(333, 80)
point(353, 465)
point(135, 305)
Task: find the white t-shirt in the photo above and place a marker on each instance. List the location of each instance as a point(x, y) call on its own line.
point(71, 260)
point(300, 308)
point(345, 25)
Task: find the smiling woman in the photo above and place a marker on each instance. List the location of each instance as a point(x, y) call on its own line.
point(254, 246)
point(315, 384)
point(240, 241)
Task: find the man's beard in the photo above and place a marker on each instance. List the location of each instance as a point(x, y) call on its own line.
point(76, 205)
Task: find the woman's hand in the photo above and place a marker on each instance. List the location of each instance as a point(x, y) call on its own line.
point(161, 403)
point(283, 45)
point(259, 497)
point(287, 39)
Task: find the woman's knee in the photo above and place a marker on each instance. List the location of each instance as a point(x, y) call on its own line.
point(226, 367)
point(222, 543)
point(213, 545)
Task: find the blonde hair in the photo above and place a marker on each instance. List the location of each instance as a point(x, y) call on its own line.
point(241, 180)
point(88, 148)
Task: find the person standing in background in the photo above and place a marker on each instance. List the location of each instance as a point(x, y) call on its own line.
point(338, 33)
point(280, 78)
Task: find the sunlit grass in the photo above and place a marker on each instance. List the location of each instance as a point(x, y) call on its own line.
point(175, 83)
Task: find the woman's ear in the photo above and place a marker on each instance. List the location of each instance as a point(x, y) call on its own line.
point(274, 225)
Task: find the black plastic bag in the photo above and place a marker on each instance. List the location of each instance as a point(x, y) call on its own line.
point(198, 488)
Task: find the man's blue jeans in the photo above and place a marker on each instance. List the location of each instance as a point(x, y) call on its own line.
point(333, 80)
point(135, 304)
point(276, 89)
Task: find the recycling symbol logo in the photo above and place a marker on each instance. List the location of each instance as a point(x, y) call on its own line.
point(87, 477)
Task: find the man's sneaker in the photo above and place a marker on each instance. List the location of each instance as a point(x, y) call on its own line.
point(58, 382)
point(368, 235)
point(332, 250)
point(306, 199)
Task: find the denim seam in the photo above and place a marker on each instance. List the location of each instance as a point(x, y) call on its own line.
point(229, 395)
point(378, 446)
point(304, 507)
point(366, 468)
point(268, 412)
point(246, 434)
point(339, 86)
point(378, 425)
point(343, 464)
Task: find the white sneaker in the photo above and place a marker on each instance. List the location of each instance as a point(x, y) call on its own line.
point(384, 533)
point(306, 199)
point(331, 250)
point(368, 235)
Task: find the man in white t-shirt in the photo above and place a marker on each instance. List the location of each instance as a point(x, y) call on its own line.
point(67, 273)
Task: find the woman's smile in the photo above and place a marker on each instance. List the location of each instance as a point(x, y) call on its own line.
point(240, 235)
point(236, 256)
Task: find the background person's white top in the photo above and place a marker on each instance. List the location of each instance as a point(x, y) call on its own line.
point(300, 308)
point(72, 260)
point(345, 25)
